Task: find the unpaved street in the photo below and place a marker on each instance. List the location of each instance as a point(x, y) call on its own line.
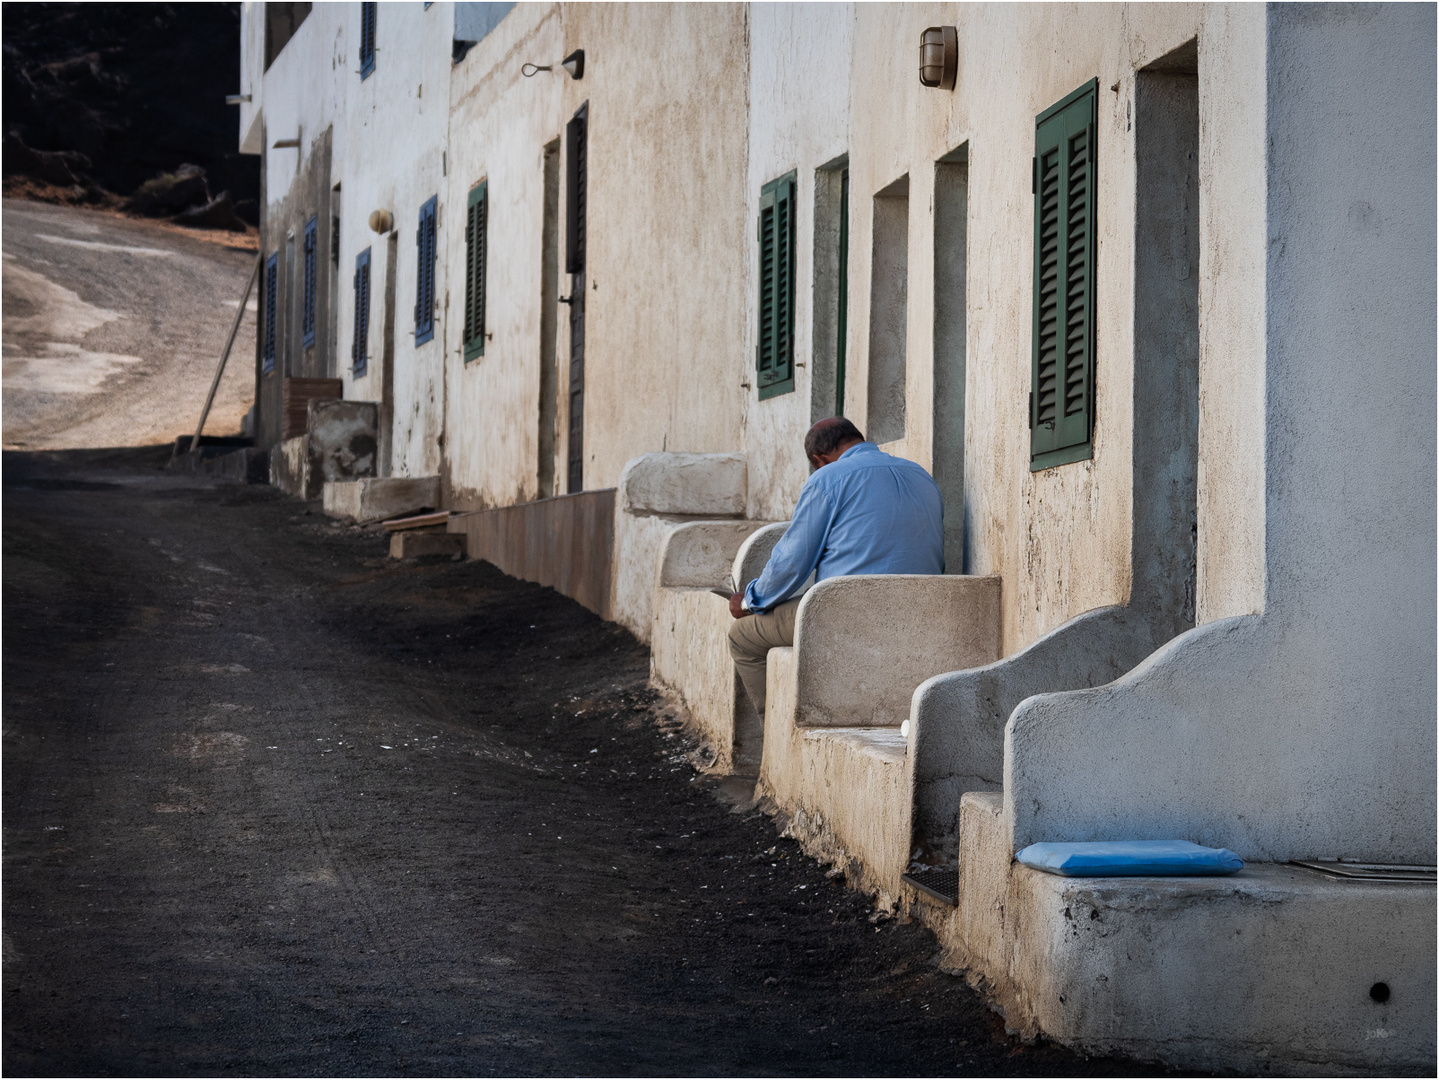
point(113, 327)
point(276, 806)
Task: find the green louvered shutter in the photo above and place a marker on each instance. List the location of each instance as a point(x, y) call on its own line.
point(774, 351)
point(1061, 409)
point(476, 226)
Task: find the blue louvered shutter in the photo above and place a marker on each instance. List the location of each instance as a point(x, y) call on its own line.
point(367, 39)
point(360, 350)
point(272, 292)
point(1061, 410)
point(425, 273)
point(774, 351)
point(476, 241)
point(311, 258)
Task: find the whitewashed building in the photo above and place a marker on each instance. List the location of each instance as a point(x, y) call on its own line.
point(1149, 288)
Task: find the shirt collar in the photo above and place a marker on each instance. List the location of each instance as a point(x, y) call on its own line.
point(856, 448)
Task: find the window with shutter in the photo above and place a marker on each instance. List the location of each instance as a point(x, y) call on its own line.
point(774, 353)
point(425, 273)
point(272, 293)
point(476, 219)
point(360, 349)
point(307, 311)
point(1061, 406)
point(367, 40)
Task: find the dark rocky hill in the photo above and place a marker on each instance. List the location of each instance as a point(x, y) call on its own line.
point(125, 93)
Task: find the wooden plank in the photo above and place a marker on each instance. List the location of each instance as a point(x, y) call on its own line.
point(416, 521)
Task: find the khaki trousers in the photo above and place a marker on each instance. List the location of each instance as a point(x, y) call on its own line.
point(751, 639)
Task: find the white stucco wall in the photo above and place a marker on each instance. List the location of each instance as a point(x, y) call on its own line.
point(392, 157)
point(500, 123)
point(1309, 730)
point(388, 152)
point(799, 68)
point(664, 351)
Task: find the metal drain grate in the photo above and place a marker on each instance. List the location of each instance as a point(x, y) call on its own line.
point(1370, 871)
point(941, 884)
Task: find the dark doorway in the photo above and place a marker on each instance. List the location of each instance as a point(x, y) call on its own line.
point(576, 145)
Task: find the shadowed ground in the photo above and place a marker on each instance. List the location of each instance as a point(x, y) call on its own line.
point(274, 805)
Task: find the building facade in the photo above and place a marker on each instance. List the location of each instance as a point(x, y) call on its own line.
point(1149, 289)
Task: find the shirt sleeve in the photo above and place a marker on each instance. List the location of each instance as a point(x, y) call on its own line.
point(796, 554)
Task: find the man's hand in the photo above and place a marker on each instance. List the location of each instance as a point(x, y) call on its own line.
point(736, 607)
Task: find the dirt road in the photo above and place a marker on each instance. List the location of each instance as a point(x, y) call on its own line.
point(112, 329)
point(276, 806)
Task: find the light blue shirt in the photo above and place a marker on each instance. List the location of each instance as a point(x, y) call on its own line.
point(867, 513)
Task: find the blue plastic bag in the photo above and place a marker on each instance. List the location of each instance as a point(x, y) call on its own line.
point(1131, 858)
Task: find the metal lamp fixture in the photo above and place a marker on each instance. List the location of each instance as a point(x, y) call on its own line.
point(939, 57)
point(574, 66)
point(381, 221)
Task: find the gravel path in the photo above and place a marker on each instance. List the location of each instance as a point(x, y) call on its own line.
point(274, 805)
point(113, 327)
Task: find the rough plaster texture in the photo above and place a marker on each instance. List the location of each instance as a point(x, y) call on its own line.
point(1266, 971)
point(864, 643)
point(1061, 539)
point(862, 827)
point(1309, 731)
point(711, 485)
point(750, 559)
point(699, 554)
point(290, 469)
point(387, 152)
point(667, 229)
point(799, 57)
point(500, 123)
point(657, 493)
point(342, 439)
point(957, 720)
point(690, 659)
point(689, 643)
point(834, 760)
point(380, 498)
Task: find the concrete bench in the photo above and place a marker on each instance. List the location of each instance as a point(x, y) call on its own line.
point(834, 760)
point(689, 642)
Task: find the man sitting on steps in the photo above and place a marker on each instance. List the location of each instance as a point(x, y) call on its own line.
point(862, 511)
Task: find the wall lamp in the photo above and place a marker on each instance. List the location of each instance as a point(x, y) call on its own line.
point(939, 57)
point(381, 221)
point(574, 64)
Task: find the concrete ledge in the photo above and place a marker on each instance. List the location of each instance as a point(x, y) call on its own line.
point(377, 498)
point(565, 542)
point(841, 792)
point(1267, 971)
point(698, 485)
point(414, 545)
point(689, 658)
point(290, 469)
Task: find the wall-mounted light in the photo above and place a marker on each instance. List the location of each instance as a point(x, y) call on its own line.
point(381, 221)
point(574, 65)
point(939, 57)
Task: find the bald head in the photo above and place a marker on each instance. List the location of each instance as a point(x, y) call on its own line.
point(829, 438)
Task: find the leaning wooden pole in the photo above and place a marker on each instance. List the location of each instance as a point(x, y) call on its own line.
point(224, 356)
